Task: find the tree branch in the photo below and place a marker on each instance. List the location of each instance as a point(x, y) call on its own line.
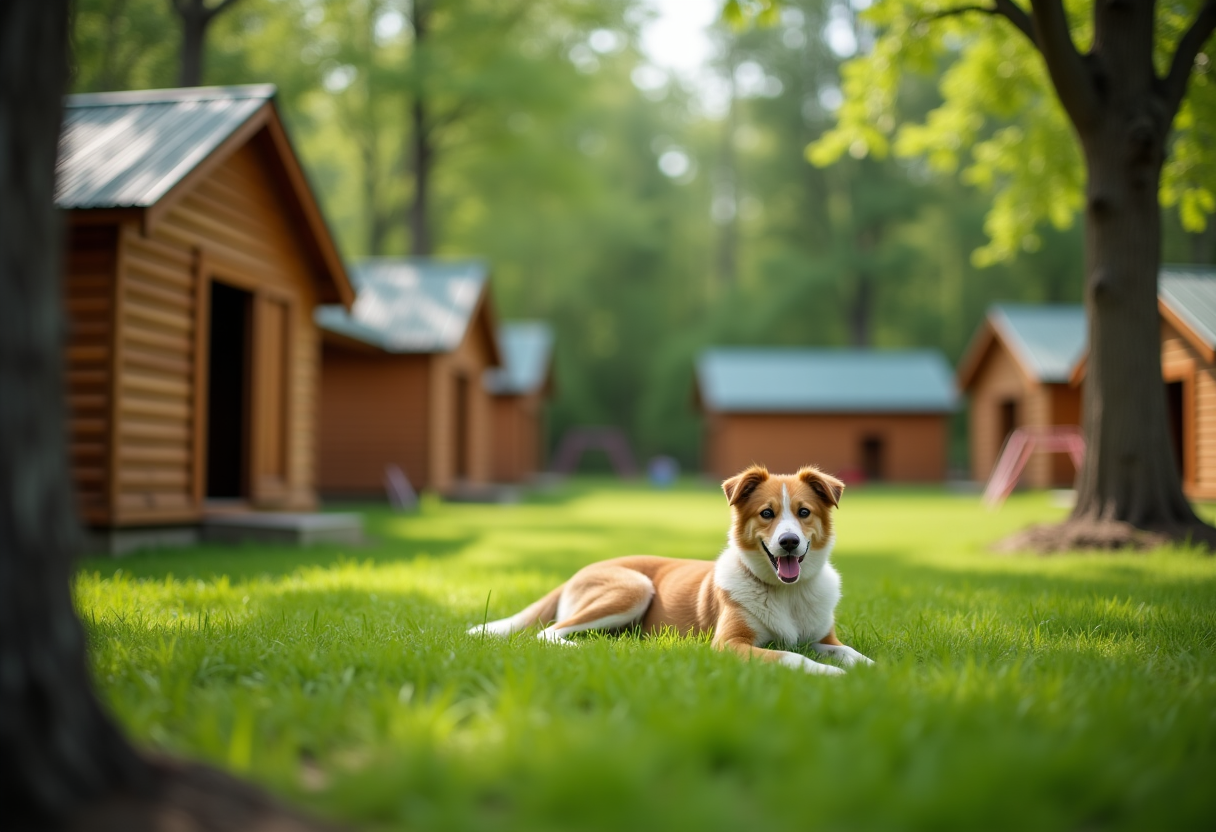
point(1068, 70)
point(1173, 86)
point(1007, 9)
point(214, 11)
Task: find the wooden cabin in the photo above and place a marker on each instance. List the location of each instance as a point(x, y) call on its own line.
point(1186, 299)
point(195, 254)
point(519, 390)
point(401, 378)
point(1016, 373)
point(865, 415)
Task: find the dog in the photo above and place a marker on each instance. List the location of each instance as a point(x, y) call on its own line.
point(772, 582)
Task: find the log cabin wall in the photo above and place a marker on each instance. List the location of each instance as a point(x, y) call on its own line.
point(913, 445)
point(1182, 363)
point(517, 437)
point(89, 285)
point(998, 382)
point(374, 412)
point(461, 411)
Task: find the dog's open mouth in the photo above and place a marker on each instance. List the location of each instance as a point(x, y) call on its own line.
point(787, 566)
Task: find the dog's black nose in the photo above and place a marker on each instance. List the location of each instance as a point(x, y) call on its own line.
point(788, 541)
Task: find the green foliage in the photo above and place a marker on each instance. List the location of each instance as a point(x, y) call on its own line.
point(1010, 692)
point(999, 121)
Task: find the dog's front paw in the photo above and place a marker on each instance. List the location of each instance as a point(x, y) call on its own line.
point(801, 662)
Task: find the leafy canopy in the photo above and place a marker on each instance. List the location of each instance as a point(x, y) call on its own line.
point(999, 124)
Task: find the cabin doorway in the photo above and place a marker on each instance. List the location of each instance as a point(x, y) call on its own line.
point(228, 393)
point(1007, 419)
point(1174, 413)
point(462, 428)
point(873, 458)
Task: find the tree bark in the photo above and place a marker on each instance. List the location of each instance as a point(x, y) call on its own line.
point(1129, 473)
point(196, 16)
point(59, 749)
point(423, 150)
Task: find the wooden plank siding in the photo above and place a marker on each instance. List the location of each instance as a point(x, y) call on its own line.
point(914, 444)
point(1182, 362)
point(999, 379)
point(517, 437)
point(374, 412)
point(88, 289)
point(469, 361)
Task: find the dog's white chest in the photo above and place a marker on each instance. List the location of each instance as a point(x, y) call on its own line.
point(790, 615)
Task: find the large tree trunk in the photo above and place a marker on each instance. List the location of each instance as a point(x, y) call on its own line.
point(195, 18)
point(59, 749)
point(1122, 114)
point(423, 159)
point(63, 762)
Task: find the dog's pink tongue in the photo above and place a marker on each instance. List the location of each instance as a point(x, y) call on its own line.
point(787, 567)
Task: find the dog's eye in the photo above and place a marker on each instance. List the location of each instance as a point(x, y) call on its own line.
point(767, 514)
point(804, 512)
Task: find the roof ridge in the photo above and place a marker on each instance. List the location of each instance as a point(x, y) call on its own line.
point(170, 95)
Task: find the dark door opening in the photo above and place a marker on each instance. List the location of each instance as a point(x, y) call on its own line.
point(462, 427)
point(1007, 419)
point(873, 462)
point(1174, 418)
point(228, 393)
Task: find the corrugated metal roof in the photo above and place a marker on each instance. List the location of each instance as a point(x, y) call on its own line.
point(127, 149)
point(763, 380)
point(1047, 339)
point(526, 350)
point(406, 304)
point(1190, 293)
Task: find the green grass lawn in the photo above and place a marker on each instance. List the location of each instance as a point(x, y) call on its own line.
point(1011, 692)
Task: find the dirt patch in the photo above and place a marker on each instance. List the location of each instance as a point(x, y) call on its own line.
point(1087, 535)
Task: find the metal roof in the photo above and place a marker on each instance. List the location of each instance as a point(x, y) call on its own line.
point(527, 347)
point(1048, 340)
point(1190, 293)
point(128, 149)
point(408, 305)
point(799, 380)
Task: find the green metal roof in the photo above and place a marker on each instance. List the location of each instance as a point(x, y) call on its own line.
point(527, 347)
point(128, 149)
point(1048, 339)
point(409, 304)
point(804, 380)
point(1190, 293)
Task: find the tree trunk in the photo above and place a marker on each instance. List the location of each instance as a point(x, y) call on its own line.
point(59, 750)
point(423, 151)
point(1129, 474)
point(423, 159)
point(195, 18)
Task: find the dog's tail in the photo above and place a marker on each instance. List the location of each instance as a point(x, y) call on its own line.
point(542, 611)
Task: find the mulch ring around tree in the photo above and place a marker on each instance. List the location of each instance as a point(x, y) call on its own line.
point(1100, 536)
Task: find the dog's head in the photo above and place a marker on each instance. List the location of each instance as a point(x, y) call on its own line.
point(780, 520)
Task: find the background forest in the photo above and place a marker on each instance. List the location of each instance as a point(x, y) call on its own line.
point(644, 213)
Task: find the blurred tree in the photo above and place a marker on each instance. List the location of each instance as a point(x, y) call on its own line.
point(196, 17)
point(121, 45)
point(1121, 92)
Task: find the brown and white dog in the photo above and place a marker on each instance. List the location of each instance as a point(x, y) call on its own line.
point(772, 583)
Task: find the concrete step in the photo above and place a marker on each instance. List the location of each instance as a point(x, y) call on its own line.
point(283, 527)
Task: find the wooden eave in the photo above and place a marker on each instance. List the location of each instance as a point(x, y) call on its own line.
point(988, 336)
point(329, 270)
point(1205, 350)
point(1193, 338)
point(483, 317)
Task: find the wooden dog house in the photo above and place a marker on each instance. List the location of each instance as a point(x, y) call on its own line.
point(196, 252)
point(519, 391)
point(878, 415)
point(1016, 372)
point(401, 378)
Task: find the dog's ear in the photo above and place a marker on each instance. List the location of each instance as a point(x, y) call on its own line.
point(739, 487)
point(825, 485)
